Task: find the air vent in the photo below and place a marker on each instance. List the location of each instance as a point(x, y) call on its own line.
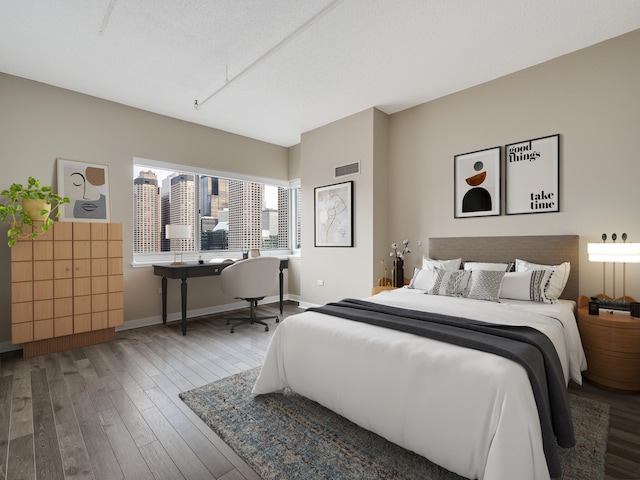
point(349, 169)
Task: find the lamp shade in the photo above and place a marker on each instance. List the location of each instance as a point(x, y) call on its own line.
point(177, 231)
point(614, 252)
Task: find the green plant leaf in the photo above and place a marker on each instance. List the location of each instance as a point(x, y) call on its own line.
point(11, 209)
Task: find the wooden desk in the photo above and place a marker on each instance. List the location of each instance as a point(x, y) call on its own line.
point(191, 270)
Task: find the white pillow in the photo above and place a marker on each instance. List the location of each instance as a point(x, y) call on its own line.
point(446, 282)
point(450, 265)
point(422, 279)
point(527, 285)
point(501, 267)
point(485, 285)
point(557, 279)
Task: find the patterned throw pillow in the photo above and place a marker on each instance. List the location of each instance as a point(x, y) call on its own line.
point(485, 285)
point(557, 280)
point(451, 265)
point(422, 279)
point(528, 285)
point(446, 282)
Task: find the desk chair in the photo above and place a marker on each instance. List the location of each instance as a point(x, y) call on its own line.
point(251, 280)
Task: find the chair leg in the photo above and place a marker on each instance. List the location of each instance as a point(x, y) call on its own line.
point(253, 303)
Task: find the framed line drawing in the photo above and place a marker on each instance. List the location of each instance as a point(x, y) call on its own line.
point(333, 209)
point(532, 176)
point(87, 186)
point(477, 183)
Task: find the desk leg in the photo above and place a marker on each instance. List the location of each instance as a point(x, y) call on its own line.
point(164, 300)
point(183, 291)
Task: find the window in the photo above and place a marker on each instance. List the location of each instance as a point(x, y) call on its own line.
point(223, 213)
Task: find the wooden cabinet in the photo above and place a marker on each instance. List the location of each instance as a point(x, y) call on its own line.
point(67, 287)
point(611, 344)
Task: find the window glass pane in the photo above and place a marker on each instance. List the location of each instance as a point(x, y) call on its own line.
point(214, 213)
point(231, 214)
point(298, 216)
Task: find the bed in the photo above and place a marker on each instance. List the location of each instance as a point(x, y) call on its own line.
point(473, 412)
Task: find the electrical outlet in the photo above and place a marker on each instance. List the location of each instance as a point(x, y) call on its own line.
point(320, 283)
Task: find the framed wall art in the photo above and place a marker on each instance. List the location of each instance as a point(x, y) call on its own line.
point(532, 177)
point(87, 186)
point(333, 210)
point(477, 183)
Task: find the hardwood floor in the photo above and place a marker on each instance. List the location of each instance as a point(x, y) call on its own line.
point(112, 411)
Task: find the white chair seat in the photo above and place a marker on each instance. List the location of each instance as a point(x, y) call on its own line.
point(251, 280)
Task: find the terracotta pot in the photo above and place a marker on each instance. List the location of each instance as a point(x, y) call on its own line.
point(33, 208)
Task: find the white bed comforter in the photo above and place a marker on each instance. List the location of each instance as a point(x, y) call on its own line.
point(469, 411)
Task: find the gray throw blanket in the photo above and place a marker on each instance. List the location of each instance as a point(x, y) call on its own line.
point(525, 345)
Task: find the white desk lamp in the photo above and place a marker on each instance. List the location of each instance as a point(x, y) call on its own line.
point(177, 232)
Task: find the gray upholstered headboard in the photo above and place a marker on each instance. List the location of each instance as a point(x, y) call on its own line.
point(543, 249)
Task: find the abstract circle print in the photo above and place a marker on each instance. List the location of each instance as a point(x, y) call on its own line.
point(477, 199)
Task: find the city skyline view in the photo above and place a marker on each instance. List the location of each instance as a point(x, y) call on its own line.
point(230, 215)
point(270, 195)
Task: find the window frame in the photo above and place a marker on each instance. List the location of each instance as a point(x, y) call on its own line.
point(145, 259)
point(294, 207)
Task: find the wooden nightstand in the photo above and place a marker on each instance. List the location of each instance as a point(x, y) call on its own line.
point(385, 284)
point(611, 344)
point(377, 290)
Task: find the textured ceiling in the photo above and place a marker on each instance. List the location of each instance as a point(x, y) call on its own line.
point(283, 67)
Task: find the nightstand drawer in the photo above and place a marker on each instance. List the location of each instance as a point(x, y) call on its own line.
point(621, 372)
point(610, 338)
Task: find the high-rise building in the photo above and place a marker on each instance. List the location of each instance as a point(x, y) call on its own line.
point(298, 211)
point(146, 205)
point(245, 214)
point(269, 228)
point(283, 217)
point(214, 198)
point(270, 221)
point(165, 214)
point(181, 208)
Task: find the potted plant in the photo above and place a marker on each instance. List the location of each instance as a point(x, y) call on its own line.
point(29, 209)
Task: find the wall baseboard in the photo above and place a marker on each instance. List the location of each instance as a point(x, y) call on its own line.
point(307, 305)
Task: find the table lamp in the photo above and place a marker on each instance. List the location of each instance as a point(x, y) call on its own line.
point(177, 232)
point(615, 253)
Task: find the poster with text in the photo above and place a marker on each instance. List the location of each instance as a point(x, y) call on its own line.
point(532, 183)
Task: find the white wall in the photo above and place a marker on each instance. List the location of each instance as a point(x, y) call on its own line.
point(589, 97)
point(345, 271)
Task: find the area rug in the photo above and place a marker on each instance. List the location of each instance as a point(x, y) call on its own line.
point(286, 436)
